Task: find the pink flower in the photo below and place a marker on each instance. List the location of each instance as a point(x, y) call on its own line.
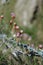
point(17, 27)
point(2, 16)
point(18, 34)
point(12, 15)
point(40, 46)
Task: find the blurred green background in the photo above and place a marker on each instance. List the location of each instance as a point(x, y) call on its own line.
point(36, 31)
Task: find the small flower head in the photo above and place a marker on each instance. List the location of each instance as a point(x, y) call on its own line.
point(40, 46)
point(11, 22)
point(12, 15)
point(2, 16)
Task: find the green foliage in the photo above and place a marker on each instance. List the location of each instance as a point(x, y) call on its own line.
point(3, 59)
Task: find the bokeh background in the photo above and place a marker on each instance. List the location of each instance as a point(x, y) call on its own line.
point(24, 11)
